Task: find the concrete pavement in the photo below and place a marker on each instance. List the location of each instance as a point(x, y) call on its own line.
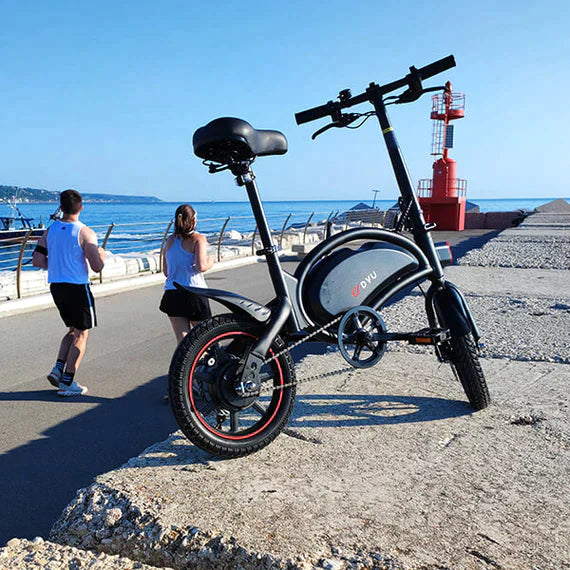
point(51, 447)
point(385, 468)
point(382, 468)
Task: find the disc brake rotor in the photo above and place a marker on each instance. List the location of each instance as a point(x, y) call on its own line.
point(358, 337)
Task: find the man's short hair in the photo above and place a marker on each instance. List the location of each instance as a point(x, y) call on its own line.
point(70, 201)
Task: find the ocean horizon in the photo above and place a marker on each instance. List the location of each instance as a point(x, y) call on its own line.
point(142, 226)
point(213, 213)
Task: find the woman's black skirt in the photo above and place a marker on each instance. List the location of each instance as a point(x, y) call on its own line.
point(176, 303)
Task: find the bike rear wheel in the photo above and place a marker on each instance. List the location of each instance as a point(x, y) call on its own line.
point(462, 353)
point(204, 389)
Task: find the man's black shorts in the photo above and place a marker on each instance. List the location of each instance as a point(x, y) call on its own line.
point(76, 304)
point(176, 303)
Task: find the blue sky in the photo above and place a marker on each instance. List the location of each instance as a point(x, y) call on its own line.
point(104, 96)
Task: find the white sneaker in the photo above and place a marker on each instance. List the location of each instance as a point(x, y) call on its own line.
point(54, 377)
point(73, 389)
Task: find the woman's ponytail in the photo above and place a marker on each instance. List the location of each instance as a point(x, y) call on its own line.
point(184, 221)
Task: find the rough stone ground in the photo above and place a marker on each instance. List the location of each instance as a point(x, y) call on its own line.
point(42, 554)
point(541, 241)
point(517, 327)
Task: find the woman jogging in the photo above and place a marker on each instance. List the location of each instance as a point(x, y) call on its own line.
point(185, 260)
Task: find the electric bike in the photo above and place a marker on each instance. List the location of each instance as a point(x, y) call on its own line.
point(232, 383)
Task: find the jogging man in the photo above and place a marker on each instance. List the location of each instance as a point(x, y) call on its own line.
point(64, 250)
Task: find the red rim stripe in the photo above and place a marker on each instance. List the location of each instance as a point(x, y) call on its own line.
point(199, 416)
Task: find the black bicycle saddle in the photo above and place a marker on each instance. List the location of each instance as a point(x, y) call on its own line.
point(228, 139)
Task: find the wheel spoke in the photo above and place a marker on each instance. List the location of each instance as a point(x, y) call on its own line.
point(348, 338)
point(260, 408)
point(265, 377)
point(206, 408)
point(357, 351)
point(218, 354)
point(234, 421)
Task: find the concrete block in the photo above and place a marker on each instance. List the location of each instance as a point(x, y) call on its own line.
point(301, 249)
point(491, 220)
point(474, 220)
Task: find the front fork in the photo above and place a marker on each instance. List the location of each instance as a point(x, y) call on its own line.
point(447, 307)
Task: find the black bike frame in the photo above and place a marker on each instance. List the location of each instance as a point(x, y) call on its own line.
point(420, 230)
point(282, 311)
point(454, 312)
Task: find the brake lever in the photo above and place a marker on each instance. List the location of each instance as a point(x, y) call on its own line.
point(343, 121)
point(325, 128)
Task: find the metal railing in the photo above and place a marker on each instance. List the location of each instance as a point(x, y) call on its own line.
point(425, 187)
point(135, 240)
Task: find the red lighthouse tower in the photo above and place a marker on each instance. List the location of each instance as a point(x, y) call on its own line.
point(443, 197)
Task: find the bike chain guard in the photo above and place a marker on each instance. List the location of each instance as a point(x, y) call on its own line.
point(360, 328)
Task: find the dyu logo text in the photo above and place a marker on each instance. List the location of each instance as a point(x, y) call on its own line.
point(363, 284)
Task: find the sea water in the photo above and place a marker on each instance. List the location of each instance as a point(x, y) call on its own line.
point(212, 215)
point(142, 227)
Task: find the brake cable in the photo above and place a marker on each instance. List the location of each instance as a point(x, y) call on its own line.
point(366, 117)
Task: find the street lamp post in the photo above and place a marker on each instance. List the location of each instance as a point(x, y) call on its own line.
point(374, 201)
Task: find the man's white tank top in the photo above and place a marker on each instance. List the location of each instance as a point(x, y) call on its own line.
point(180, 264)
point(66, 259)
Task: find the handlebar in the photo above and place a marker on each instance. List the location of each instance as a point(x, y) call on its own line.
point(437, 67)
point(313, 114)
point(411, 80)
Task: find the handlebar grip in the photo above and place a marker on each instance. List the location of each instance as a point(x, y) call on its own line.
point(312, 114)
point(437, 67)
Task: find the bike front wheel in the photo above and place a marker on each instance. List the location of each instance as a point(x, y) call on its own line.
point(462, 353)
point(205, 394)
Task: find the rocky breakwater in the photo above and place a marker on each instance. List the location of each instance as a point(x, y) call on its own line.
point(384, 467)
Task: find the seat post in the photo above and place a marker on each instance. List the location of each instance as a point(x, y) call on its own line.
point(247, 179)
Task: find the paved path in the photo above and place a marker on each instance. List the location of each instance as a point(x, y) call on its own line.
point(50, 448)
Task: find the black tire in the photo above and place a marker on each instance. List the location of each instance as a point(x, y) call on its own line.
point(465, 362)
point(202, 391)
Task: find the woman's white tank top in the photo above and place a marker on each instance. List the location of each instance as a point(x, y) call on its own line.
point(66, 258)
point(180, 264)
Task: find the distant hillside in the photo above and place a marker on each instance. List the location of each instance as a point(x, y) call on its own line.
point(8, 193)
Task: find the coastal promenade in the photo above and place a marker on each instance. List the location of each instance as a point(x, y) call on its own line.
point(381, 468)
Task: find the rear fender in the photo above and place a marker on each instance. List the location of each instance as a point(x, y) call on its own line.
point(236, 303)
